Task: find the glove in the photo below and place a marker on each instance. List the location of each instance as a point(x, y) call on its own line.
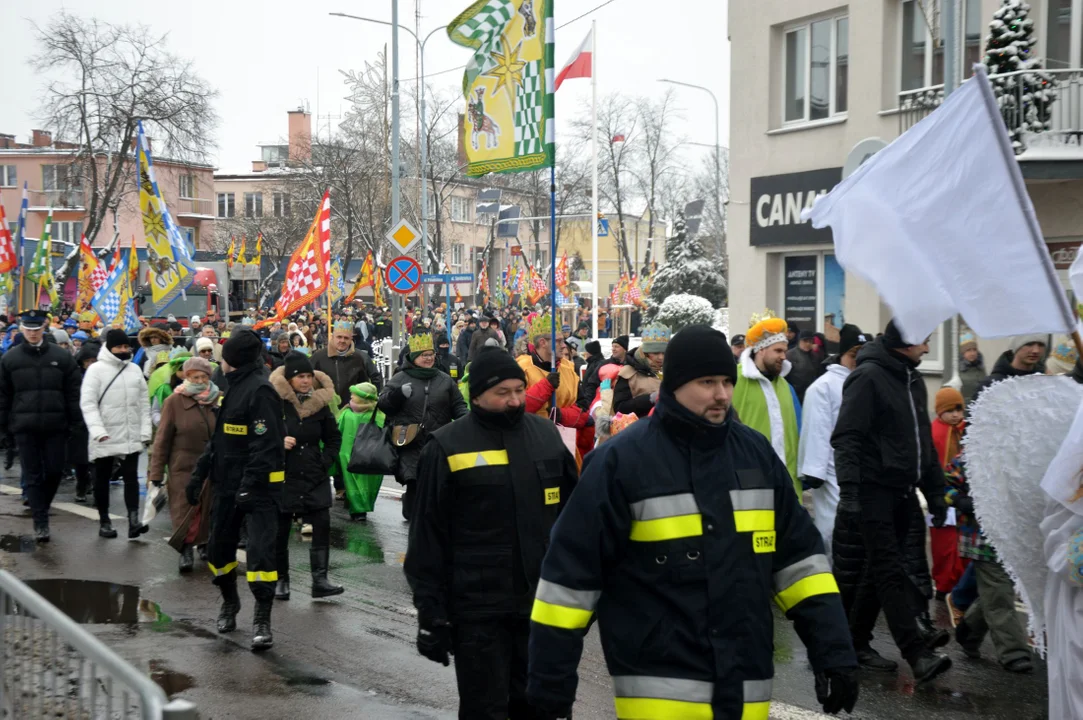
point(554, 379)
point(244, 495)
point(192, 490)
point(605, 384)
point(939, 510)
point(407, 390)
point(654, 397)
point(434, 641)
point(837, 689)
point(810, 482)
point(963, 504)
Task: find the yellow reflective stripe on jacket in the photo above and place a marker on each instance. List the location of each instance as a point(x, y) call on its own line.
point(666, 518)
point(757, 697)
point(465, 461)
point(803, 579)
point(563, 607)
point(262, 576)
point(661, 698)
point(754, 520)
point(218, 572)
point(753, 510)
point(279, 476)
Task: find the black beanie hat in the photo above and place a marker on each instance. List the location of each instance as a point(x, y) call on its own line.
point(893, 339)
point(490, 367)
point(116, 337)
point(242, 348)
point(622, 341)
point(296, 363)
point(594, 348)
point(695, 352)
point(850, 336)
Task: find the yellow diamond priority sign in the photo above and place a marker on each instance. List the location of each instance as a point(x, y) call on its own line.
point(404, 236)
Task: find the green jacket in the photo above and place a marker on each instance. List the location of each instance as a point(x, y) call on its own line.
point(777, 417)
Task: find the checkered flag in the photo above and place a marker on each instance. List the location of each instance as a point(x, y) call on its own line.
point(528, 111)
point(482, 31)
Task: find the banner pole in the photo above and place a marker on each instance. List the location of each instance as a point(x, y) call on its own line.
point(553, 267)
point(594, 178)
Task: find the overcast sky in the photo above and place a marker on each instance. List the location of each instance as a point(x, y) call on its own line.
point(265, 56)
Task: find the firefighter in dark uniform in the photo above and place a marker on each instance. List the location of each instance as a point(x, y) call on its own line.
point(489, 488)
point(682, 531)
point(246, 462)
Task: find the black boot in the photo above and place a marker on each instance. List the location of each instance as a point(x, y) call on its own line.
point(41, 532)
point(262, 639)
point(930, 634)
point(186, 559)
point(869, 658)
point(321, 587)
point(135, 527)
point(231, 605)
point(105, 530)
point(927, 665)
point(282, 588)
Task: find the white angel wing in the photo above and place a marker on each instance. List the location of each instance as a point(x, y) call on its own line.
point(1016, 429)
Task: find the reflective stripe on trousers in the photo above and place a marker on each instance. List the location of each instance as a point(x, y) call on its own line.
point(640, 697)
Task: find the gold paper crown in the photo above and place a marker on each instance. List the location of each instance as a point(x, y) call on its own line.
point(420, 343)
point(541, 325)
point(767, 314)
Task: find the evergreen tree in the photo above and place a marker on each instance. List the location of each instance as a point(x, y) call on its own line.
point(1026, 99)
point(680, 311)
point(687, 270)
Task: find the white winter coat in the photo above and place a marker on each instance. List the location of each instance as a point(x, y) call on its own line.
point(815, 456)
point(123, 412)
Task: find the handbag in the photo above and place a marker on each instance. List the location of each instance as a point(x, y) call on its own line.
point(372, 454)
point(403, 435)
point(567, 434)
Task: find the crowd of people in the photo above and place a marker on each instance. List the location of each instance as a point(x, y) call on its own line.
point(669, 490)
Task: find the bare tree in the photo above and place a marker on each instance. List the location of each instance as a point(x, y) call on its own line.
point(104, 78)
point(714, 188)
point(617, 120)
point(656, 157)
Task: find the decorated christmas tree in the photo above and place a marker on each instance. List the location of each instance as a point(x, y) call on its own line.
point(1026, 97)
point(687, 270)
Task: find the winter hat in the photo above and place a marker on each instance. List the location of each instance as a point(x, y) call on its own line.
point(967, 341)
point(1018, 341)
point(115, 338)
point(849, 337)
point(948, 398)
point(737, 340)
point(893, 339)
point(280, 337)
point(295, 364)
point(765, 333)
point(242, 348)
point(806, 335)
point(490, 367)
point(365, 391)
point(594, 348)
point(80, 335)
point(695, 352)
point(655, 339)
point(61, 337)
point(621, 340)
point(204, 343)
point(1062, 357)
point(198, 363)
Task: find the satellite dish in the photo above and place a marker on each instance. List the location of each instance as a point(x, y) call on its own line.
point(861, 152)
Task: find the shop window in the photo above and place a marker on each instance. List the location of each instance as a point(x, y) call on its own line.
point(814, 293)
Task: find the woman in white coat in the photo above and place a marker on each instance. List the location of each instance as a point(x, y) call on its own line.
point(116, 409)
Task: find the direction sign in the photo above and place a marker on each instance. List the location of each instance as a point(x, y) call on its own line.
point(403, 275)
point(404, 236)
point(442, 278)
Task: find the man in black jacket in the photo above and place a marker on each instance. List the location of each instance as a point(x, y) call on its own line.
point(490, 487)
point(345, 364)
point(1023, 357)
point(39, 406)
point(883, 451)
point(595, 360)
point(450, 364)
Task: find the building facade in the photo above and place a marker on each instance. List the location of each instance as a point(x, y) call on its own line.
point(813, 78)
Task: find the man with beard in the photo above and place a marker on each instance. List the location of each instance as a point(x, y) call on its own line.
point(490, 487)
point(762, 398)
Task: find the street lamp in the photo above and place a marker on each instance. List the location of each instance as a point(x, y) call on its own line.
point(424, 143)
point(717, 142)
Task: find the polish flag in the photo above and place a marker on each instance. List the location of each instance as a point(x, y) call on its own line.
point(579, 64)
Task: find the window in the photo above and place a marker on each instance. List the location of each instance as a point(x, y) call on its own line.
point(430, 206)
point(1063, 16)
point(484, 218)
point(189, 235)
point(281, 205)
point(921, 68)
point(225, 205)
point(816, 69)
point(7, 176)
point(813, 293)
point(460, 209)
point(60, 177)
point(187, 186)
point(457, 255)
point(67, 232)
point(253, 205)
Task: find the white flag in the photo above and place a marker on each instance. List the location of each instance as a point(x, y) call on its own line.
point(940, 223)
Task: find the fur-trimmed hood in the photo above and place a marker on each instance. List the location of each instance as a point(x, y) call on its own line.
point(151, 336)
point(323, 392)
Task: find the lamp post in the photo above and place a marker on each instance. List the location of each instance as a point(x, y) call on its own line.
point(717, 141)
point(421, 42)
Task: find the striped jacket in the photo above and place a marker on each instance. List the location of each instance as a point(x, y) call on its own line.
point(677, 540)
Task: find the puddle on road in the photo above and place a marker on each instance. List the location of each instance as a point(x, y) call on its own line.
point(357, 540)
point(171, 681)
point(17, 543)
point(94, 602)
point(307, 681)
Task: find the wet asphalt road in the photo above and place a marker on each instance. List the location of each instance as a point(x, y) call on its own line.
point(353, 656)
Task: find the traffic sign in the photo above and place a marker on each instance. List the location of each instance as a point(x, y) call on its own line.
point(404, 236)
point(442, 278)
point(403, 275)
point(603, 227)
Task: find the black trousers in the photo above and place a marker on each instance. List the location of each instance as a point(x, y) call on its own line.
point(886, 514)
point(42, 460)
point(227, 518)
point(103, 473)
point(490, 668)
point(321, 536)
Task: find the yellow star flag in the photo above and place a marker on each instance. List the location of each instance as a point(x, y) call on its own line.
point(170, 268)
point(508, 84)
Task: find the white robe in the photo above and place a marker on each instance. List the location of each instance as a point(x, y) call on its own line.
point(1063, 614)
point(815, 456)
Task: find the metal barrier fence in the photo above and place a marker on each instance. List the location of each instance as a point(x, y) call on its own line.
point(52, 667)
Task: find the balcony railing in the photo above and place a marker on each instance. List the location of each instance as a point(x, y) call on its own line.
point(203, 207)
point(1062, 139)
point(57, 199)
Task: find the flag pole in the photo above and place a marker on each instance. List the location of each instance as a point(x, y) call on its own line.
point(553, 265)
point(594, 177)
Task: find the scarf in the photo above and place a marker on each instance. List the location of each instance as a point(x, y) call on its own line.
point(202, 393)
point(420, 373)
